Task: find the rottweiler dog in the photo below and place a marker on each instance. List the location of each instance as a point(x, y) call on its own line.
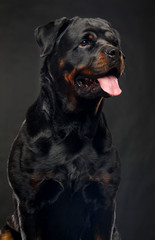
point(63, 168)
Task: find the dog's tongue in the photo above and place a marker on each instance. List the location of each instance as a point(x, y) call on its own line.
point(110, 85)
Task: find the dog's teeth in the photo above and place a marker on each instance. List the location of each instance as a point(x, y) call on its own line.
point(79, 83)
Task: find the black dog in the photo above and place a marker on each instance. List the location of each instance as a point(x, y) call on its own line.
point(63, 167)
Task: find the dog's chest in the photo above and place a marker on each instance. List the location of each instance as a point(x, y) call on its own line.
point(72, 161)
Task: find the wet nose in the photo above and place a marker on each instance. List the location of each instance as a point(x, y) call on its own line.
point(113, 52)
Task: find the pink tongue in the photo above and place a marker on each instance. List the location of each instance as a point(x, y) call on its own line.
point(110, 85)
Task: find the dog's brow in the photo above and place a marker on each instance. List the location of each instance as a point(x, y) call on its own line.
point(97, 31)
point(89, 30)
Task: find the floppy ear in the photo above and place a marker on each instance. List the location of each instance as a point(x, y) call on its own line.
point(46, 35)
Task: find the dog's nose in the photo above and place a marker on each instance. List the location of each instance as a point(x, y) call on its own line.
point(113, 52)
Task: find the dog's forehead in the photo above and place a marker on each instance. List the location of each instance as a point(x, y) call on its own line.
point(79, 26)
point(84, 24)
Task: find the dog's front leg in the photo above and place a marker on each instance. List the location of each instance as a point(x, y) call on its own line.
point(104, 225)
point(24, 206)
point(47, 192)
point(101, 210)
point(116, 235)
point(27, 221)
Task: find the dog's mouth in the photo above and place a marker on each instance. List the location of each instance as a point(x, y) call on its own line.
point(87, 83)
point(107, 82)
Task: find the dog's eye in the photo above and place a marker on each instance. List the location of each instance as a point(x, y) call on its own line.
point(84, 43)
point(111, 38)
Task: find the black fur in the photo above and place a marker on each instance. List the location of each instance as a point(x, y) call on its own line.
point(63, 167)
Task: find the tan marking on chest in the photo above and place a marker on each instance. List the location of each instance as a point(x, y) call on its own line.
point(98, 238)
point(104, 178)
point(38, 178)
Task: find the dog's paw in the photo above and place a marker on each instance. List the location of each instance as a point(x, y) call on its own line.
point(116, 235)
point(6, 235)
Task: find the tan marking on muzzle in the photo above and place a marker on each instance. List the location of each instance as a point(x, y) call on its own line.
point(62, 63)
point(87, 72)
point(102, 61)
point(69, 77)
point(122, 65)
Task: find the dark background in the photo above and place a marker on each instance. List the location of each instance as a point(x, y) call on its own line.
point(130, 116)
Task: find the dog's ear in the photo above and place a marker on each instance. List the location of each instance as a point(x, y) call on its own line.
point(46, 35)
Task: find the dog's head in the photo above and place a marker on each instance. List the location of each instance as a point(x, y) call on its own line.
point(83, 54)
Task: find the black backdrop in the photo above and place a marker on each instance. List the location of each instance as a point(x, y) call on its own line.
point(130, 116)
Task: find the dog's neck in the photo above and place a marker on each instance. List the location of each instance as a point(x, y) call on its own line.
point(62, 118)
point(51, 110)
point(70, 104)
